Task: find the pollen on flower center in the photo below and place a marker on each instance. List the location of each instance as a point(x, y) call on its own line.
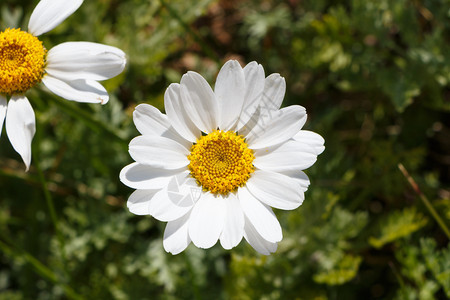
point(22, 61)
point(221, 162)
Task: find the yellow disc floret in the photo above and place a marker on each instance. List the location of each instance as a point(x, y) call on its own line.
point(221, 162)
point(22, 61)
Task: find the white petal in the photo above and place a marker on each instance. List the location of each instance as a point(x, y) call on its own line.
point(21, 126)
point(88, 91)
point(311, 138)
point(207, 220)
point(256, 241)
point(258, 119)
point(50, 13)
point(84, 60)
point(176, 236)
point(279, 127)
point(291, 155)
point(230, 92)
point(166, 207)
point(139, 200)
point(3, 106)
point(254, 87)
point(176, 199)
point(199, 101)
point(177, 114)
point(158, 152)
point(233, 230)
point(165, 204)
point(274, 90)
point(261, 216)
point(276, 190)
point(300, 177)
point(183, 189)
point(150, 121)
point(139, 176)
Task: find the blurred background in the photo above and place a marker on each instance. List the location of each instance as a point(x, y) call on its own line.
point(374, 76)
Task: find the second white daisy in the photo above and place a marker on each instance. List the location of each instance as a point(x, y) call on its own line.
point(70, 70)
point(217, 161)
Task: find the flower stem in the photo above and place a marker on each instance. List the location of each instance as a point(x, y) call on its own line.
point(21, 255)
point(51, 207)
point(399, 278)
point(87, 119)
point(425, 201)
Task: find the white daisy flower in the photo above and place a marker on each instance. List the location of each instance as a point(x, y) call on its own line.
point(217, 161)
point(70, 70)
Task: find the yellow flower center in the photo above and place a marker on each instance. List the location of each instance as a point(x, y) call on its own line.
point(221, 162)
point(22, 61)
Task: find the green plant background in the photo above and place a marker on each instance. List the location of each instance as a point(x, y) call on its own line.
point(374, 76)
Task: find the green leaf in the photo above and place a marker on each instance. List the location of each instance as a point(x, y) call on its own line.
point(399, 224)
point(344, 271)
point(438, 262)
point(400, 88)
